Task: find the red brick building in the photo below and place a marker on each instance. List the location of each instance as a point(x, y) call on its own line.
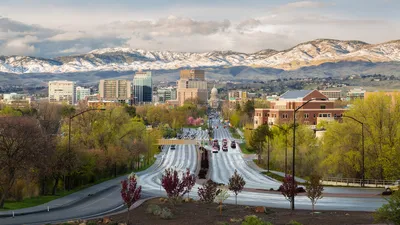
point(281, 110)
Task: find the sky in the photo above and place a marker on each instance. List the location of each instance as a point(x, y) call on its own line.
point(52, 28)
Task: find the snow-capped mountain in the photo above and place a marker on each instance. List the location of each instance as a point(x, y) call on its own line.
point(125, 59)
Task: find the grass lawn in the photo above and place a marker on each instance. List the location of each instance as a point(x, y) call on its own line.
point(245, 150)
point(234, 133)
point(34, 201)
point(275, 176)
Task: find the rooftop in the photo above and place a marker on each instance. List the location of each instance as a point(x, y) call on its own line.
point(295, 94)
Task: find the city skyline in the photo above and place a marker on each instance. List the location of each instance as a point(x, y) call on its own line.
point(66, 28)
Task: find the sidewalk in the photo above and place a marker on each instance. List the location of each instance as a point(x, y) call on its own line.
point(75, 197)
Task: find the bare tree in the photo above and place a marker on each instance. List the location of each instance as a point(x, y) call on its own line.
point(314, 190)
point(23, 146)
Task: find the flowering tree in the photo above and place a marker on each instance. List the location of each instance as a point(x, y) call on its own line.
point(190, 120)
point(208, 191)
point(236, 184)
point(287, 188)
point(130, 193)
point(175, 186)
point(197, 121)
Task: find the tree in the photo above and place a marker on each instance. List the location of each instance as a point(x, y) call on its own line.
point(175, 186)
point(236, 184)
point(287, 188)
point(314, 189)
point(248, 108)
point(258, 139)
point(221, 197)
point(208, 191)
point(390, 212)
point(23, 146)
point(130, 193)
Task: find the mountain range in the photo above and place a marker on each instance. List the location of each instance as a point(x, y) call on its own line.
point(309, 54)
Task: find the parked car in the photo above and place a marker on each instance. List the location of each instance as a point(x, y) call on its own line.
point(173, 147)
point(233, 144)
point(225, 148)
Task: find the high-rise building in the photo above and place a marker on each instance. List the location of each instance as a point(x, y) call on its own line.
point(166, 94)
point(115, 90)
point(142, 87)
point(82, 93)
point(192, 86)
point(62, 91)
point(192, 74)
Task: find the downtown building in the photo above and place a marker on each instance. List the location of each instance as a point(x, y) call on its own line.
point(115, 90)
point(191, 86)
point(166, 94)
point(142, 88)
point(82, 93)
point(62, 92)
point(281, 110)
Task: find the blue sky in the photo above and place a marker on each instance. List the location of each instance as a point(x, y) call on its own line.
point(60, 27)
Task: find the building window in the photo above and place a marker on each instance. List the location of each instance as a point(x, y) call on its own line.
point(306, 115)
point(323, 106)
point(256, 121)
point(314, 115)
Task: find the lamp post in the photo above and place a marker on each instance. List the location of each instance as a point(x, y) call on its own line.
point(363, 149)
point(69, 132)
point(294, 143)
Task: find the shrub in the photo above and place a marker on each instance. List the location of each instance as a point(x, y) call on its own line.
point(166, 213)
point(254, 220)
point(153, 209)
point(294, 222)
point(390, 212)
point(208, 191)
point(236, 184)
point(177, 187)
point(221, 197)
point(91, 223)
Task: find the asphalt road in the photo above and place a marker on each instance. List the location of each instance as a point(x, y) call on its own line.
point(222, 166)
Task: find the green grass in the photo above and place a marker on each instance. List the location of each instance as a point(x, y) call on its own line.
point(234, 133)
point(39, 200)
point(274, 176)
point(246, 150)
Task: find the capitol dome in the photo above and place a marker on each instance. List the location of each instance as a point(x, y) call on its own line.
point(214, 91)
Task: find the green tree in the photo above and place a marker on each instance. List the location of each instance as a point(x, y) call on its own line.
point(258, 139)
point(390, 212)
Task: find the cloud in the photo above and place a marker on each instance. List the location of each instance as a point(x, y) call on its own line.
point(301, 5)
point(19, 46)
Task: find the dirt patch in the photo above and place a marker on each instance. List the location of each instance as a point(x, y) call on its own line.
point(202, 214)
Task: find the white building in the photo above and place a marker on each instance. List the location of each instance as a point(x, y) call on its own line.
point(115, 90)
point(62, 91)
point(81, 93)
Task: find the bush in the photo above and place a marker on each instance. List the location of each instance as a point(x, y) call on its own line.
point(294, 222)
point(208, 191)
point(154, 209)
point(390, 212)
point(166, 213)
point(254, 220)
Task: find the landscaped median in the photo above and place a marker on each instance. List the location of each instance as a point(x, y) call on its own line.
point(160, 211)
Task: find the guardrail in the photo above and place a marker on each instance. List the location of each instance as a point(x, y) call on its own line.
point(356, 182)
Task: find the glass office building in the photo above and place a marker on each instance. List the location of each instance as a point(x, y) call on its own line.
point(142, 88)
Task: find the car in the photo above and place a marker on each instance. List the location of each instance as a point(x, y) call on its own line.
point(215, 142)
point(224, 126)
point(299, 189)
point(224, 141)
point(215, 149)
point(225, 148)
point(173, 147)
point(394, 187)
point(233, 144)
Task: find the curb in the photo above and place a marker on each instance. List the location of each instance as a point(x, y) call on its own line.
point(10, 214)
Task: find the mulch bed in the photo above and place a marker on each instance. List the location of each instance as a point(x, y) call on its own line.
point(195, 213)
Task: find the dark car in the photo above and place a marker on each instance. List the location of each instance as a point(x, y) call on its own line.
point(233, 144)
point(299, 189)
point(173, 147)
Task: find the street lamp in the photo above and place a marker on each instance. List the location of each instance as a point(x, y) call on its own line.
point(363, 148)
point(294, 143)
point(69, 132)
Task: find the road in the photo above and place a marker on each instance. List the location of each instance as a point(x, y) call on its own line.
point(222, 166)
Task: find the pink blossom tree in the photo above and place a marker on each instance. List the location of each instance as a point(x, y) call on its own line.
point(130, 192)
point(190, 120)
